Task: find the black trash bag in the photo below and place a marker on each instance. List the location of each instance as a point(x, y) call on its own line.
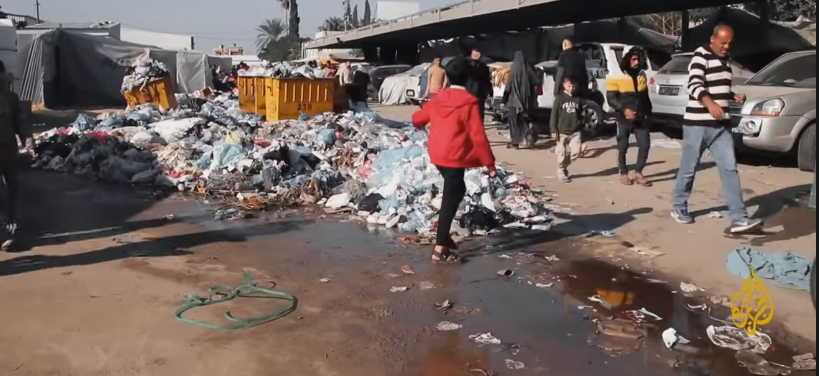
point(504, 217)
point(311, 160)
point(480, 219)
point(369, 203)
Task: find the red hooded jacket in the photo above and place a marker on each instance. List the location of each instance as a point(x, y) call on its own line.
point(456, 135)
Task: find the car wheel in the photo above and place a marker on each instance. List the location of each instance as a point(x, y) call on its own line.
point(592, 119)
point(806, 152)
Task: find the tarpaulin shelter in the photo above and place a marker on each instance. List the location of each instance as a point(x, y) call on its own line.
point(756, 43)
point(67, 68)
point(544, 43)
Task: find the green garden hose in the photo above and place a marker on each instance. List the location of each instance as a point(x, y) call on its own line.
point(222, 293)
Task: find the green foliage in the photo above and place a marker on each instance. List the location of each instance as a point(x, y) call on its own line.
point(368, 14)
point(355, 21)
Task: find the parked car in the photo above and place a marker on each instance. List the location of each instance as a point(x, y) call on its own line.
point(669, 93)
point(592, 113)
point(380, 73)
point(779, 113)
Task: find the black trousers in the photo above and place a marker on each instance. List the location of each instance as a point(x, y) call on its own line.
point(640, 129)
point(10, 174)
point(482, 108)
point(454, 191)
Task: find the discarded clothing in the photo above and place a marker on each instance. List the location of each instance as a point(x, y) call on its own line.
point(789, 270)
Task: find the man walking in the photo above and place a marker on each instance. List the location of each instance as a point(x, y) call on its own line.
point(707, 125)
point(480, 80)
point(11, 126)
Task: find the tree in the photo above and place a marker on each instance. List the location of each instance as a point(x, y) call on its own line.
point(269, 31)
point(785, 10)
point(355, 21)
point(368, 14)
point(332, 24)
point(293, 19)
point(285, 48)
point(348, 13)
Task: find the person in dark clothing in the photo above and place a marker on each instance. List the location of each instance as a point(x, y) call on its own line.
point(571, 64)
point(357, 91)
point(628, 95)
point(12, 126)
point(480, 80)
point(519, 97)
point(457, 141)
point(565, 127)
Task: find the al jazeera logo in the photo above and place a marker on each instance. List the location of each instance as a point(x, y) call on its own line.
point(752, 306)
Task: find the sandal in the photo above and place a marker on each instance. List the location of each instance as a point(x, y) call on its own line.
point(626, 180)
point(446, 257)
point(641, 180)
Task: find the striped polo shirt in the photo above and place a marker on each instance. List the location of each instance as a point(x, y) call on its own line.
point(708, 75)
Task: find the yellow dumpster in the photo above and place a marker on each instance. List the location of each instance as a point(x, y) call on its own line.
point(288, 97)
point(247, 94)
point(260, 96)
point(159, 92)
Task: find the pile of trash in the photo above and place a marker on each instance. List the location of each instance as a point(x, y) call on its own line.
point(358, 163)
point(283, 70)
point(143, 71)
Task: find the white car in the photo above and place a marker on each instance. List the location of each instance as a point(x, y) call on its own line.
point(669, 92)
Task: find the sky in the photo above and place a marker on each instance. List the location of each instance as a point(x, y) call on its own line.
point(211, 22)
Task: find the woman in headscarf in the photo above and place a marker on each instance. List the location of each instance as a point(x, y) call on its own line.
point(519, 98)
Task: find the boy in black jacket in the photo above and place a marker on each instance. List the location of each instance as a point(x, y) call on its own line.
point(565, 124)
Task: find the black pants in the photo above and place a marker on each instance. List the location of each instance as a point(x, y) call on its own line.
point(10, 174)
point(454, 191)
point(640, 129)
point(482, 109)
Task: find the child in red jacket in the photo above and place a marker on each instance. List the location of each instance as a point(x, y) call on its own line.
point(457, 141)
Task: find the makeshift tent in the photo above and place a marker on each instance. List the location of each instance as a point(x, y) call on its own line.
point(756, 43)
point(67, 68)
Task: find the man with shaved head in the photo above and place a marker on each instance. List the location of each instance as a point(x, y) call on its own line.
point(707, 125)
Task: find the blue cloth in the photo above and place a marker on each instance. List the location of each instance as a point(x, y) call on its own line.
point(790, 271)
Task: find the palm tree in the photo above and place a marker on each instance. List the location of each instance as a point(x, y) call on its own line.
point(332, 24)
point(269, 31)
point(292, 23)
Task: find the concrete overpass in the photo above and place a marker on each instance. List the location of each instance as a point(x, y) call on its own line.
point(473, 17)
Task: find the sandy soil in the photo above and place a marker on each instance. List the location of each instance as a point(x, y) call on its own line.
point(640, 216)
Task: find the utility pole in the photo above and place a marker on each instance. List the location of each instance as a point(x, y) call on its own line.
point(346, 4)
point(37, 5)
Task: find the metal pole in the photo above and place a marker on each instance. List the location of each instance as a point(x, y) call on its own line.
point(813, 192)
point(37, 5)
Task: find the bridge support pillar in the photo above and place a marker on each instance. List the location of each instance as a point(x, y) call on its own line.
point(407, 53)
point(370, 52)
point(386, 54)
point(684, 30)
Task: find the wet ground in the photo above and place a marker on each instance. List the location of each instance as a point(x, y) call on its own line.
point(352, 324)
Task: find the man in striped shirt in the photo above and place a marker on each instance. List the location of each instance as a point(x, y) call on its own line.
point(707, 125)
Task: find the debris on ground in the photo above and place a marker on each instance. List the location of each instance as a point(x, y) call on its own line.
point(689, 288)
point(143, 71)
point(617, 337)
point(485, 339)
point(671, 338)
point(642, 315)
point(804, 362)
point(756, 365)
point(513, 364)
point(715, 215)
point(325, 280)
point(506, 272)
point(406, 269)
point(646, 252)
point(446, 326)
point(789, 270)
point(376, 168)
point(399, 288)
point(445, 306)
point(734, 338)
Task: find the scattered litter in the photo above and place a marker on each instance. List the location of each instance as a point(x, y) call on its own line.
point(446, 326)
point(512, 364)
point(689, 287)
point(646, 252)
point(787, 269)
point(617, 337)
point(735, 338)
point(651, 280)
point(599, 300)
point(604, 233)
point(671, 338)
point(506, 272)
point(642, 315)
point(584, 307)
point(407, 270)
point(715, 215)
point(169, 217)
point(756, 365)
point(426, 285)
point(805, 362)
point(485, 339)
point(446, 305)
point(544, 285)
point(325, 280)
point(127, 239)
point(399, 289)
point(552, 258)
point(701, 307)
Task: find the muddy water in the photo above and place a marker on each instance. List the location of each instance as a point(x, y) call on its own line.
point(545, 330)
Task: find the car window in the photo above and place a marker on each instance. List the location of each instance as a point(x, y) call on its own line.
point(677, 65)
point(618, 53)
point(791, 71)
point(658, 59)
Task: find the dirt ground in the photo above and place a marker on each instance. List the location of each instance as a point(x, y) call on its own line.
point(693, 253)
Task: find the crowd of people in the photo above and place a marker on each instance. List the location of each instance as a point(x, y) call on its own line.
point(457, 92)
